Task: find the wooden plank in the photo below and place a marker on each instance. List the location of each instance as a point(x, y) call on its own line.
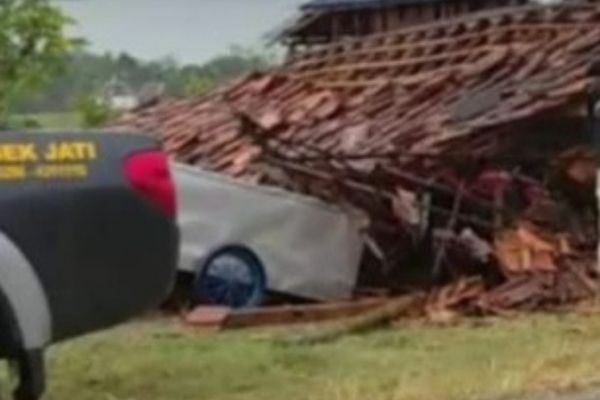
point(453, 56)
point(299, 314)
point(208, 317)
point(364, 322)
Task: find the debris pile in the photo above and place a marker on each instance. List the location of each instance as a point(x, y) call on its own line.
point(465, 143)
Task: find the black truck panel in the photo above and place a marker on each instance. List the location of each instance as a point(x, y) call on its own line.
point(101, 250)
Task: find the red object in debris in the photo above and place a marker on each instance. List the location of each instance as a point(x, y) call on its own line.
point(497, 183)
point(493, 183)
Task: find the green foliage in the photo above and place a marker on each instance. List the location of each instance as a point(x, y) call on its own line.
point(23, 122)
point(30, 123)
point(89, 73)
point(52, 121)
point(33, 47)
point(93, 112)
point(198, 85)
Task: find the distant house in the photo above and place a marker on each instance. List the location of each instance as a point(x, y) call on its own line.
point(325, 21)
point(150, 93)
point(119, 95)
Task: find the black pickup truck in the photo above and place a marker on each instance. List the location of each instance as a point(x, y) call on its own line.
point(87, 239)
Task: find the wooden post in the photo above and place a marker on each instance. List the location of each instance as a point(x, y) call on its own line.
point(441, 252)
point(356, 23)
point(335, 26)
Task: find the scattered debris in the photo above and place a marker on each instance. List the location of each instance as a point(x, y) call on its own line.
point(381, 316)
point(212, 317)
point(225, 318)
point(522, 250)
point(464, 142)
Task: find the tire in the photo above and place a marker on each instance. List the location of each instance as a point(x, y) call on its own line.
point(232, 276)
point(10, 337)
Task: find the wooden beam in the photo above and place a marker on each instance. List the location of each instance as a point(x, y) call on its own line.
point(299, 314)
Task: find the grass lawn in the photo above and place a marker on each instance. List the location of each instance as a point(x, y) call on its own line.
point(163, 361)
point(58, 120)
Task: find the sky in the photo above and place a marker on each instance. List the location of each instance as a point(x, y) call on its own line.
point(191, 31)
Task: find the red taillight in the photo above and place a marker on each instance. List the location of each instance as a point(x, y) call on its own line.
point(148, 172)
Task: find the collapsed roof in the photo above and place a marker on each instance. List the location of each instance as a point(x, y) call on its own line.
point(402, 126)
point(323, 21)
point(313, 5)
point(358, 4)
point(421, 90)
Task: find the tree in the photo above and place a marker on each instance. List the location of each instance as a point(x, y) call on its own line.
point(197, 85)
point(234, 63)
point(93, 112)
point(33, 47)
point(86, 73)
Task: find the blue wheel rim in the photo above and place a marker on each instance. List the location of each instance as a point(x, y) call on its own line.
point(232, 277)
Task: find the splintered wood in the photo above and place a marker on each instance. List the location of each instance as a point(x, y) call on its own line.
point(522, 250)
point(463, 141)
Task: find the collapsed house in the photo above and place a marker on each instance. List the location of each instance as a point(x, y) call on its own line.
point(464, 142)
point(324, 21)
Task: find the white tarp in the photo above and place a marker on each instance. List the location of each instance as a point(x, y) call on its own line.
point(308, 248)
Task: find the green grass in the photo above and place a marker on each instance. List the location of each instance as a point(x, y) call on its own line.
point(163, 361)
point(58, 120)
